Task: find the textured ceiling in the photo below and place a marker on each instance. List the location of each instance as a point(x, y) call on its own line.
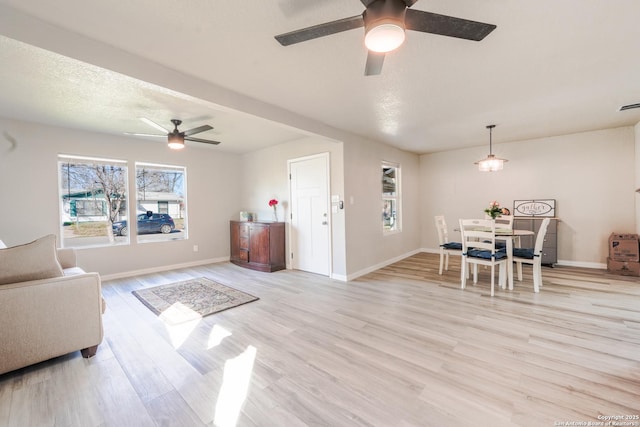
point(550, 68)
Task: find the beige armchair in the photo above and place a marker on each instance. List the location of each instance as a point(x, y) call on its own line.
point(49, 317)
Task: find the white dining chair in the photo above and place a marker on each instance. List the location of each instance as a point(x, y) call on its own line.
point(532, 256)
point(446, 247)
point(479, 248)
point(505, 222)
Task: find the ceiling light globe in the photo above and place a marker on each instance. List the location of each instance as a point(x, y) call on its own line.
point(490, 164)
point(384, 37)
point(176, 142)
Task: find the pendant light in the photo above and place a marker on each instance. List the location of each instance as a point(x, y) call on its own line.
point(491, 163)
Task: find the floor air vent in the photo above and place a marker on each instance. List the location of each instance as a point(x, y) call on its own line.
point(629, 107)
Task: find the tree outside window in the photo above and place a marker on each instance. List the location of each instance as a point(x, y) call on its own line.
point(390, 197)
point(93, 195)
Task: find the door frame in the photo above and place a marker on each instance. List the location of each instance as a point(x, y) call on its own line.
point(327, 158)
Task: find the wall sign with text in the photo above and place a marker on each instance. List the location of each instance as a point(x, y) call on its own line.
point(545, 207)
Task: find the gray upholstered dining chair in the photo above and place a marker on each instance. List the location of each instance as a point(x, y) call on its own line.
point(532, 256)
point(446, 247)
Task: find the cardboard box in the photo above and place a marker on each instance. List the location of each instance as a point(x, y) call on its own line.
point(624, 247)
point(624, 268)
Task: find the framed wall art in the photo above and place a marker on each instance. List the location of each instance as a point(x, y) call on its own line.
point(529, 208)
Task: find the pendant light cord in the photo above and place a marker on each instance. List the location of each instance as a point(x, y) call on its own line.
point(490, 127)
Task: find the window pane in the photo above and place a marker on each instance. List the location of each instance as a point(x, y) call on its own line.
point(160, 202)
point(389, 214)
point(388, 181)
point(93, 198)
point(163, 207)
point(390, 197)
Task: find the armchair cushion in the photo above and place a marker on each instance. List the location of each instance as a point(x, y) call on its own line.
point(31, 261)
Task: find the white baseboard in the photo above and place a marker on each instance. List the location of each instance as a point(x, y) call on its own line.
point(567, 263)
point(380, 265)
point(430, 250)
point(596, 265)
point(162, 268)
point(339, 277)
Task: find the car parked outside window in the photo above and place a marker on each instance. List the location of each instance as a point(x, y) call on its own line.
point(147, 223)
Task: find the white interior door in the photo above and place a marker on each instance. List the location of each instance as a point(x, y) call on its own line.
point(310, 219)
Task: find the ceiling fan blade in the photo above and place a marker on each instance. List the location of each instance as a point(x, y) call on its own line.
point(320, 30)
point(199, 129)
point(145, 134)
point(374, 63)
point(444, 25)
point(154, 124)
point(206, 141)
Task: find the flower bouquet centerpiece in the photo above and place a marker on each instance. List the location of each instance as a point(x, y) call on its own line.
point(494, 210)
point(274, 203)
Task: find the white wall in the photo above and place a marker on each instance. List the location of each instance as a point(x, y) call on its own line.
point(29, 194)
point(367, 246)
point(591, 176)
point(265, 177)
point(637, 175)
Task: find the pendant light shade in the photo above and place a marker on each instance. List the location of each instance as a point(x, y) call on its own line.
point(491, 163)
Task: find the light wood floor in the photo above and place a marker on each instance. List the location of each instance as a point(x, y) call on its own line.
point(402, 346)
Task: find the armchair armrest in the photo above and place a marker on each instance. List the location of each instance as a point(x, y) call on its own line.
point(67, 257)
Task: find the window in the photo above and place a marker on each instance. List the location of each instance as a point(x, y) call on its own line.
point(161, 202)
point(391, 202)
point(93, 200)
point(163, 207)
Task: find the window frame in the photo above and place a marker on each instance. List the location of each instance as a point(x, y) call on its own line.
point(181, 205)
point(66, 201)
point(395, 198)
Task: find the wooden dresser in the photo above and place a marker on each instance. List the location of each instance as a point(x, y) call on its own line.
point(258, 245)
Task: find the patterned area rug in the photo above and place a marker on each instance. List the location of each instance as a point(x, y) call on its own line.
point(191, 299)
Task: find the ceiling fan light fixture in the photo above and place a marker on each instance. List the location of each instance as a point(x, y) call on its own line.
point(491, 163)
point(176, 141)
point(385, 35)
